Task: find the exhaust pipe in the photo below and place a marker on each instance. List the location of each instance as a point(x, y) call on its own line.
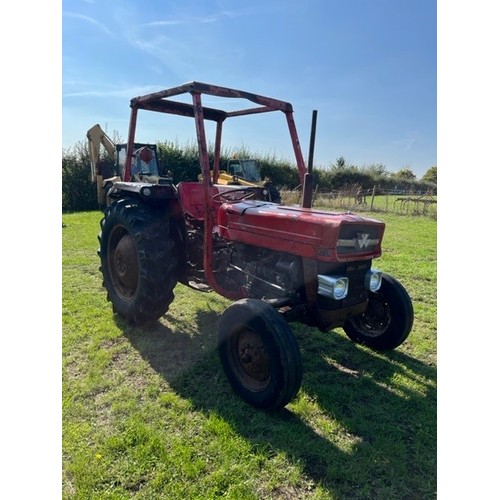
point(307, 190)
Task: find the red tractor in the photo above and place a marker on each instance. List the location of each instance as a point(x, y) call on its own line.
point(279, 264)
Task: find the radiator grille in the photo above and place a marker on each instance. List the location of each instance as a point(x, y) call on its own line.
point(359, 239)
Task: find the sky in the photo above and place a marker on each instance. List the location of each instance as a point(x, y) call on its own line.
point(368, 68)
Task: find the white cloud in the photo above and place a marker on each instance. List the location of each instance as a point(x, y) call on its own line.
point(187, 20)
point(124, 91)
point(89, 20)
point(406, 143)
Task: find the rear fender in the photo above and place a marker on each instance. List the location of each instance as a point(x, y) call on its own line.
point(192, 197)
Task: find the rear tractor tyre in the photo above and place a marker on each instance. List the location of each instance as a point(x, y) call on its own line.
point(259, 354)
point(388, 319)
point(138, 260)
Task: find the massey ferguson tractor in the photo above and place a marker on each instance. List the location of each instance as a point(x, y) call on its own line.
point(278, 264)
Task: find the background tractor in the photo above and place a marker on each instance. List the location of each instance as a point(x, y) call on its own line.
point(107, 170)
point(246, 172)
point(278, 264)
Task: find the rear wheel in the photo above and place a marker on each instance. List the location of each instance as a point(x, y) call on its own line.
point(388, 319)
point(138, 261)
point(259, 354)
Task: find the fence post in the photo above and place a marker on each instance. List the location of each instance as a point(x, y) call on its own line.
point(314, 194)
point(373, 199)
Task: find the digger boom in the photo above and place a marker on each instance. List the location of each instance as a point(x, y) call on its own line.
point(97, 137)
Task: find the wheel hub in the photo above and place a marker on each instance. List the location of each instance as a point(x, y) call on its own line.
point(375, 320)
point(253, 356)
point(125, 266)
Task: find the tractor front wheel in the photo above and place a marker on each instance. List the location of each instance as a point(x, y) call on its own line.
point(388, 319)
point(138, 260)
point(259, 354)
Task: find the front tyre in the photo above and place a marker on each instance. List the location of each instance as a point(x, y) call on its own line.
point(138, 262)
point(259, 354)
point(388, 319)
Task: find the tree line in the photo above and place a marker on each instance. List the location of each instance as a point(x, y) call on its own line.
point(79, 194)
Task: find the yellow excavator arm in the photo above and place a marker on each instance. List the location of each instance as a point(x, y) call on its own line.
point(97, 137)
point(225, 178)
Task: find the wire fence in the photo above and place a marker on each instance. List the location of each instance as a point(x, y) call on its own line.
point(371, 200)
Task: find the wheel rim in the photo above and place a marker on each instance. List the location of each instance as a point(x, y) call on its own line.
point(123, 263)
point(250, 360)
point(376, 319)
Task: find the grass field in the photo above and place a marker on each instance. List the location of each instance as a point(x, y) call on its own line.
point(148, 413)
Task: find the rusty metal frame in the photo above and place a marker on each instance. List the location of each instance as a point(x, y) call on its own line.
point(161, 102)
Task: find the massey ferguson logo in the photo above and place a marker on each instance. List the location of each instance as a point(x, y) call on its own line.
point(363, 240)
point(359, 242)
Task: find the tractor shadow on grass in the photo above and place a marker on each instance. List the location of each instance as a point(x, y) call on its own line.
point(355, 407)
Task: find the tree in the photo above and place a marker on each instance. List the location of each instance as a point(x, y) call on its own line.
point(78, 191)
point(341, 163)
point(375, 170)
point(431, 175)
point(405, 173)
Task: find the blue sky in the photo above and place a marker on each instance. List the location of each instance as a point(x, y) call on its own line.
point(368, 67)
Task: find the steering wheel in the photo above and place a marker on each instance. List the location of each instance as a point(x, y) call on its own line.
point(235, 194)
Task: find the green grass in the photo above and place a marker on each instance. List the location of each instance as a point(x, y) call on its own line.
point(148, 413)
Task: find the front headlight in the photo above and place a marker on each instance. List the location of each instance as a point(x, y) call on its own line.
point(341, 288)
point(334, 287)
point(373, 280)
